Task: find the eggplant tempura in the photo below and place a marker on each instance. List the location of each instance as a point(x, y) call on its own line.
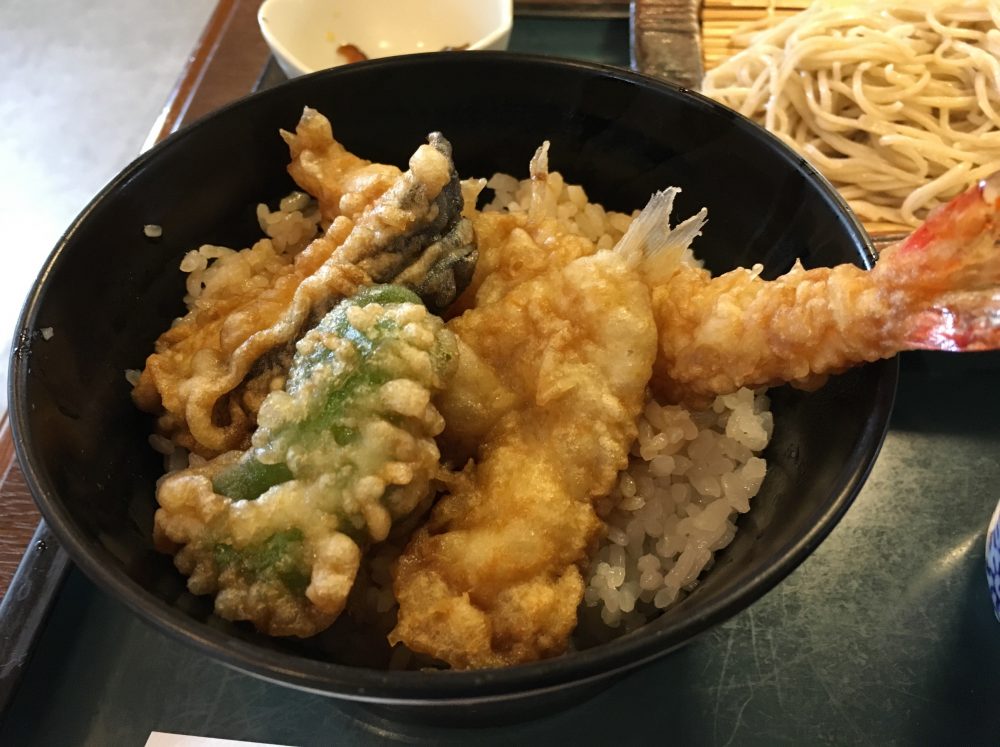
point(212, 369)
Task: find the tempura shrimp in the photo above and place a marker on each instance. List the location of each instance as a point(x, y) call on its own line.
point(492, 579)
point(551, 377)
point(937, 289)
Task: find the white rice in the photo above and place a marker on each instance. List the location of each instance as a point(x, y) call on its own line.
point(691, 473)
point(289, 229)
point(567, 203)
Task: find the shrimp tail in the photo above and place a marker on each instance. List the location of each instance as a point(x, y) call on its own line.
point(949, 270)
point(652, 244)
point(960, 321)
point(539, 171)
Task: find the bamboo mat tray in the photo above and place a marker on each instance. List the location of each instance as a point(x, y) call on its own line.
point(720, 19)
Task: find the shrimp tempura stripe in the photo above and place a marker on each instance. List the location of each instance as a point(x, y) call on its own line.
point(937, 289)
point(564, 357)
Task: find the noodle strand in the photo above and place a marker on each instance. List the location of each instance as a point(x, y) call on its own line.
point(896, 102)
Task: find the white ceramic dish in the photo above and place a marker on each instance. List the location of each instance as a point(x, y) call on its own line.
point(304, 35)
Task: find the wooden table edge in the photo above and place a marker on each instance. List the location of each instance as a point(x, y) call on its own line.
point(224, 65)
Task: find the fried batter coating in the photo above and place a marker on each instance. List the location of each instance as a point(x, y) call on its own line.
point(492, 580)
point(514, 248)
point(938, 289)
point(341, 182)
point(556, 343)
point(348, 448)
point(494, 577)
point(211, 370)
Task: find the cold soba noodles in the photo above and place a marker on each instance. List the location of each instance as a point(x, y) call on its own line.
point(895, 101)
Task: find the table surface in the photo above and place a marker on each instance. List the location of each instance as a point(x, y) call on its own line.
point(884, 635)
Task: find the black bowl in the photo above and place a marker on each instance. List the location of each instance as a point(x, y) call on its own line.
point(107, 292)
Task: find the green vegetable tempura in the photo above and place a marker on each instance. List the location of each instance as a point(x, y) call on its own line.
point(341, 452)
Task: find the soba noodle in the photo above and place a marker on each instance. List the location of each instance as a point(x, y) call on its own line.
point(896, 102)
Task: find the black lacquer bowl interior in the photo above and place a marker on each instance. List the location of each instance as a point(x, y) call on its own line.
point(107, 292)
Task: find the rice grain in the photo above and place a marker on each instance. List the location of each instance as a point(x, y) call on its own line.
point(690, 475)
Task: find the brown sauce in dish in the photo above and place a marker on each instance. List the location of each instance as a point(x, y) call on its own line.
point(351, 53)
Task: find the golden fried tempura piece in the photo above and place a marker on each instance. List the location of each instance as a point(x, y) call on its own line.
point(211, 370)
point(344, 451)
point(556, 367)
point(341, 182)
point(514, 248)
point(937, 289)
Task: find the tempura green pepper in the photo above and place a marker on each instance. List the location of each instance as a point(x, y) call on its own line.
point(346, 448)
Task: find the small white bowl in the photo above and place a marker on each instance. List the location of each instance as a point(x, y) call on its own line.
point(304, 35)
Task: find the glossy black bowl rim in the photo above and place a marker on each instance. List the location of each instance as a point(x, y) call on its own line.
point(445, 687)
